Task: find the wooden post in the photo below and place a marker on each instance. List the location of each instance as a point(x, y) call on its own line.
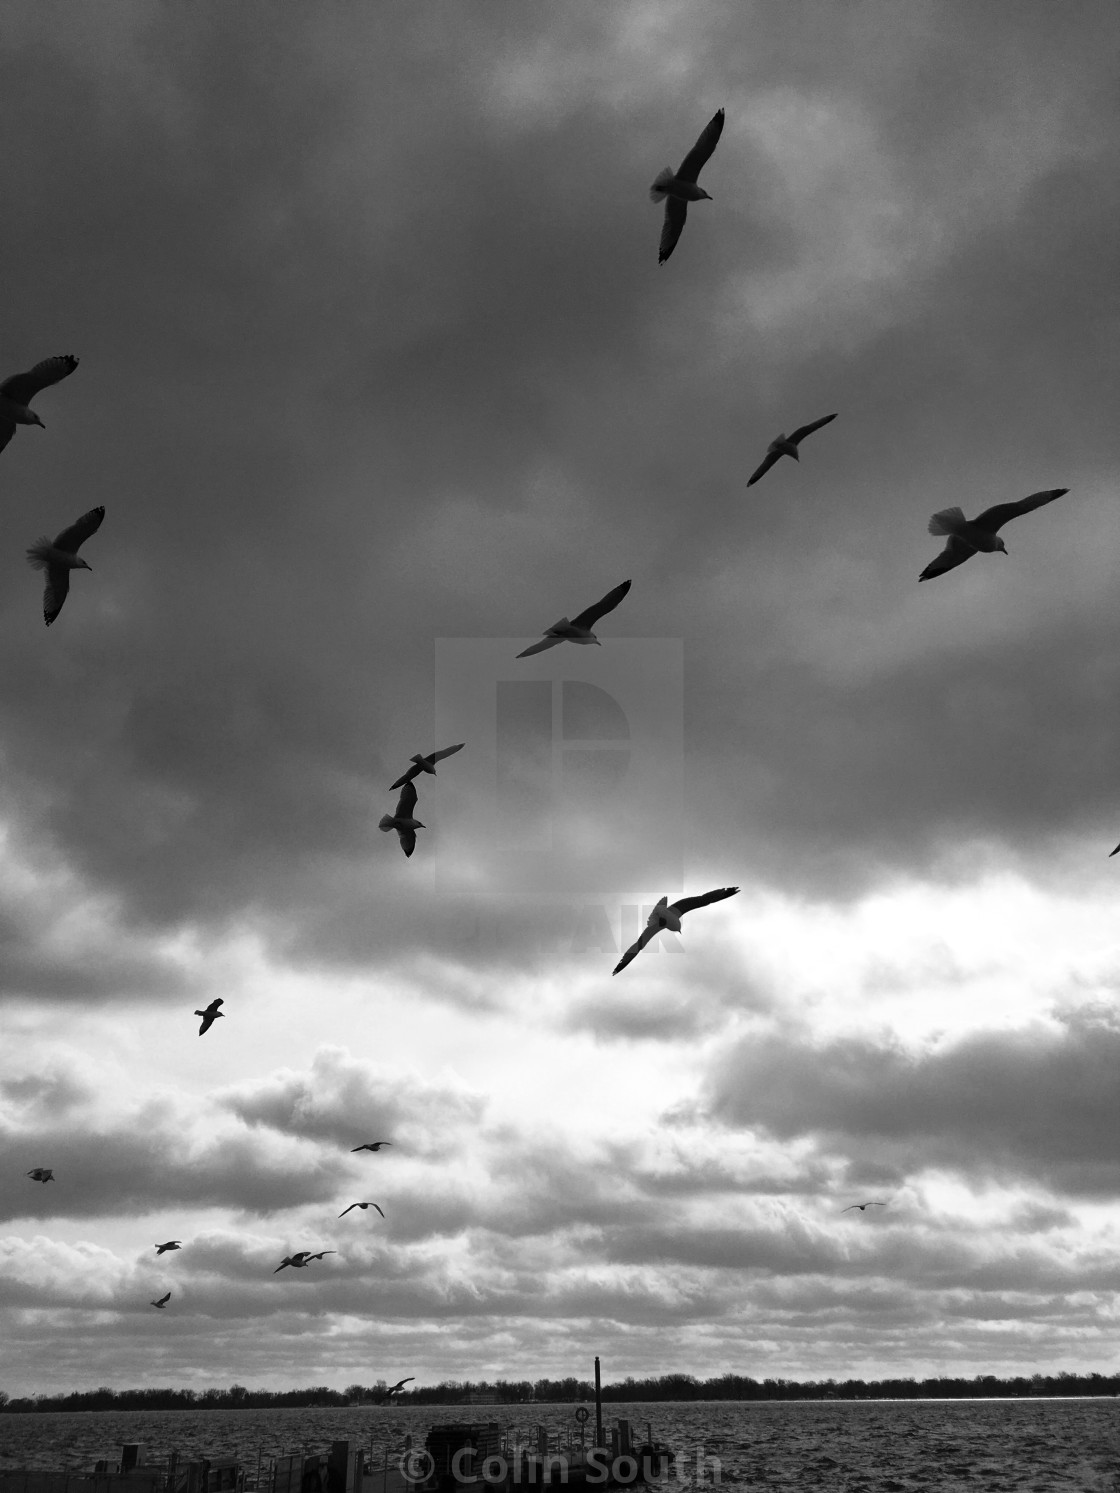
point(598, 1407)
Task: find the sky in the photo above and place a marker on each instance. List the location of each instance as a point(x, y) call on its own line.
point(379, 377)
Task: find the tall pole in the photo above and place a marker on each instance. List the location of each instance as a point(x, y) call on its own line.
point(598, 1407)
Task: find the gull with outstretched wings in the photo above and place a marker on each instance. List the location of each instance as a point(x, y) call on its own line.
point(669, 917)
point(371, 1145)
point(41, 1174)
point(579, 629)
point(162, 1302)
point(404, 821)
point(968, 535)
point(679, 189)
point(60, 557)
point(171, 1244)
point(862, 1206)
point(360, 1205)
point(786, 445)
point(17, 392)
point(210, 1015)
point(302, 1259)
point(425, 764)
point(392, 1390)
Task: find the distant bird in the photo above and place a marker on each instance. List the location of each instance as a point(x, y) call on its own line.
point(371, 1145)
point(41, 1174)
point(679, 190)
point(171, 1244)
point(162, 1302)
point(665, 916)
point(17, 392)
point(359, 1205)
point(301, 1260)
point(404, 821)
point(210, 1015)
point(59, 558)
point(862, 1206)
point(786, 445)
point(578, 630)
point(966, 536)
point(425, 764)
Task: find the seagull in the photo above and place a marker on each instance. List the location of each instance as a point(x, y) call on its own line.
point(862, 1206)
point(59, 558)
point(578, 630)
point(425, 764)
point(966, 536)
point(17, 392)
point(359, 1205)
point(400, 1385)
point(371, 1145)
point(162, 1302)
point(171, 1244)
point(664, 916)
point(41, 1174)
point(301, 1260)
point(786, 445)
point(681, 189)
point(210, 1015)
point(402, 821)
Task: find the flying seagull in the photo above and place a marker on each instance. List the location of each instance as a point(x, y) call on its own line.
point(359, 1205)
point(679, 190)
point(171, 1244)
point(862, 1206)
point(301, 1260)
point(162, 1302)
point(578, 630)
point(786, 445)
point(966, 536)
point(371, 1145)
point(403, 820)
point(210, 1015)
point(17, 392)
point(400, 1385)
point(59, 558)
point(663, 916)
point(425, 764)
point(41, 1174)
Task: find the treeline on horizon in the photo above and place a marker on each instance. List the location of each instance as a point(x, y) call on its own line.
point(678, 1387)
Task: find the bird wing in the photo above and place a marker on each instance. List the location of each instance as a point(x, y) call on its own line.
point(407, 801)
point(70, 539)
point(763, 467)
point(992, 519)
point(540, 647)
point(366, 1147)
point(589, 617)
point(321, 1253)
point(676, 210)
point(374, 1205)
point(407, 777)
point(686, 904)
point(803, 430)
point(347, 1210)
point(55, 592)
point(956, 552)
point(7, 430)
point(284, 1266)
point(207, 1023)
point(850, 1206)
point(636, 947)
point(447, 752)
point(1111, 853)
point(164, 1299)
point(697, 157)
point(408, 840)
point(22, 387)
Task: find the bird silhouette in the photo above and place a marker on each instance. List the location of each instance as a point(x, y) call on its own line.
point(968, 535)
point(425, 764)
point(578, 630)
point(680, 189)
point(210, 1015)
point(162, 1302)
point(862, 1206)
point(665, 916)
point(17, 392)
point(58, 557)
point(302, 1259)
point(41, 1174)
point(171, 1244)
point(403, 820)
point(359, 1205)
point(371, 1145)
point(399, 1385)
point(786, 445)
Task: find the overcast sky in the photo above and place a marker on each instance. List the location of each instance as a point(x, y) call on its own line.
point(379, 377)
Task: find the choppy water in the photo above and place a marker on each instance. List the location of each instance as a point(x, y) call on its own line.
point(939, 1446)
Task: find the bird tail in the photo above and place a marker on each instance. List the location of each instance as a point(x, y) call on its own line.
point(948, 521)
point(38, 556)
point(661, 182)
point(386, 822)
